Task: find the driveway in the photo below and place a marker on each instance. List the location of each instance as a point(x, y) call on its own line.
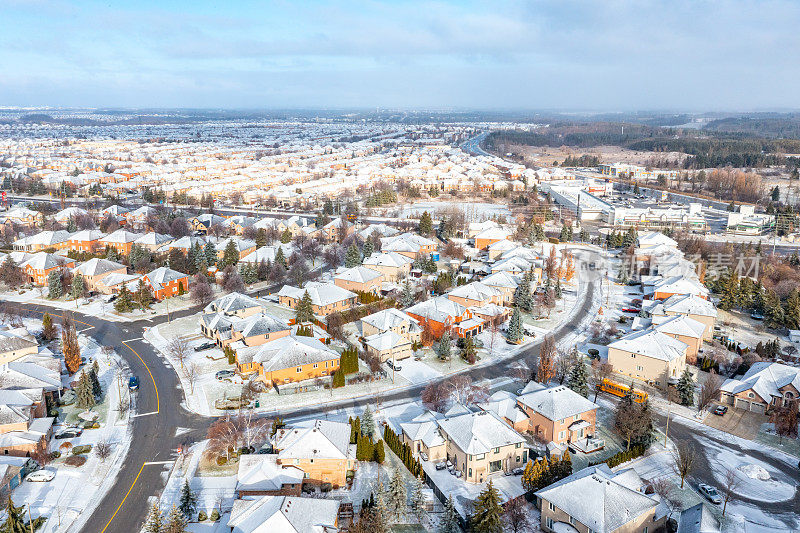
point(739, 422)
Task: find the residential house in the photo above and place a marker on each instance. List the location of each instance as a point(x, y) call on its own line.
point(394, 320)
point(284, 514)
point(679, 285)
point(408, 244)
point(763, 387)
point(490, 236)
point(480, 445)
point(44, 240)
point(16, 343)
point(505, 405)
point(476, 294)
point(153, 241)
point(598, 500)
point(166, 283)
point(260, 475)
point(442, 314)
point(86, 241)
point(243, 246)
point(326, 298)
point(237, 332)
point(288, 359)
point(38, 266)
point(359, 279)
point(689, 305)
point(698, 519)
point(558, 414)
point(322, 451)
point(650, 356)
point(202, 223)
point(96, 269)
point(120, 240)
point(394, 266)
point(389, 346)
point(685, 329)
point(506, 283)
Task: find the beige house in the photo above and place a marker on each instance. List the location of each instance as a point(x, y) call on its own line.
point(96, 269)
point(326, 298)
point(16, 343)
point(685, 329)
point(394, 266)
point(598, 500)
point(763, 387)
point(689, 305)
point(391, 319)
point(650, 356)
point(359, 279)
point(322, 451)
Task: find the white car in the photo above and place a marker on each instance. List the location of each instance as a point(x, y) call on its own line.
point(40, 476)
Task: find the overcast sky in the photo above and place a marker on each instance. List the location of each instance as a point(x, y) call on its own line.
point(607, 55)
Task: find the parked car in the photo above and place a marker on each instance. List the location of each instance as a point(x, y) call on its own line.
point(69, 433)
point(394, 366)
point(204, 346)
point(709, 493)
point(441, 466)
point(423, 455)
point(756, 316)
point(630, 310)
point(720, 410)
point(224, 374)
point(133, 383)
point(518, 471)
point(41, 476)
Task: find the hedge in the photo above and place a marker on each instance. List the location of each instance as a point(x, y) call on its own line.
point(622, 457)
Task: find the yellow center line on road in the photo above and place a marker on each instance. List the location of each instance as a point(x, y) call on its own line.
point(123, 499)
point(158, 403)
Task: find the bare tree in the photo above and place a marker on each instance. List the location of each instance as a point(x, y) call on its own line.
point(464, 391)
point(516, 515)
point(522, 371)
point(201, 290)
point(683, 458)
point(179, 349)
point(191, 373)
point(255, 429)
point(663, 487)
point(546, 367)
point(729, 487)
point(434, 396)
point(103, 450)
point(785, 419)
point(224, 436)
point(709, 390)
point(600, 371)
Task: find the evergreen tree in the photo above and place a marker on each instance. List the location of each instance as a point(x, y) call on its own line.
point(564, 236)
point(78, 286)
point(280, 258)
point(418, 501)
point(49, 332)
point(17, 520)
point(368, 248)
point(210, 253)
point(443, 347)
point(188, 501)
point(469, 352)
point(487, 514)
point(305, 309)
point(773, 311)
point(425, 224)
point(379, 514)
point(368, 423)
point(286, 236)
point(379, 453)
point(396, 496)
point(791, 312)
point(558, 291)
point(231, 254)
point(448, 523)
point(97, 389)
point(261, 237)
point(353, 257)
point(685, 388)
point(578, 378)
point(522, 295)
point(124, 302)
point(84, 393)
point(176, 521)
point(514, 333)
point(154, 523)
point(142, 296)
point(406, 296)
point(54, 284)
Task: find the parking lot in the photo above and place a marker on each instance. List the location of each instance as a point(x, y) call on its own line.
point(739, 422)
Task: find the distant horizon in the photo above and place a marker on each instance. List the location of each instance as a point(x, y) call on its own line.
point(403, 55)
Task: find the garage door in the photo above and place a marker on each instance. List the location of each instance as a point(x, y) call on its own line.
point(742, 404)
point(758, 407)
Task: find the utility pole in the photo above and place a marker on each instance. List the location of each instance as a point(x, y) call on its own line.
point(669, 411)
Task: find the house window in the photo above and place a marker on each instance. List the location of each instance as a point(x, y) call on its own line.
point(517, 445)
point(549, 521)
point(641, 368)
point(562, 434)
point(315, 365)
point(644, 530)
point(299, 369)
point(633, 355)
point(480, 457)
point(497, 450)
point(470, 472)
point(751, 395)
point(495, 466)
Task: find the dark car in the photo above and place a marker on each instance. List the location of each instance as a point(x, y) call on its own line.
point(720, 410)
point(133, 383)
point(394, 366)
point(224, 374)
point(204, 346)
point(69, 434)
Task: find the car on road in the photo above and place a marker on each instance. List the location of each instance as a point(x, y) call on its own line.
point(720, 410)
point(709, 493)
point(441, 466)
point(69, 433)
point(133, 383)
point(630, 310)
point(204, 346)
point(394, 366)
point(41, 476)
point(224, 374)
point(756, 316)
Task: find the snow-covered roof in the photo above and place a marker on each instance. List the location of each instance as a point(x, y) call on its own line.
point(679, 325)
point(385, 341)
point(599, 498)
point(324, 439)
point(358, 274)
point(387, 319)
point(44, 261)
point(765, 379)
point(287, 352)
point(321, 294)
point(480, 432)
point(261, 472)
point(475, 291)
point(98, 266)
point(557, 403)
point(439, 309)
point(388, 259)
point(284, 514)
point(651, 343)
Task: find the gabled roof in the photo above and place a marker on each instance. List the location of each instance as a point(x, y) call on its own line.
point(44, 238)
point(98, 266)
point(388, 259)
point(475, 291)
point(162, 275)
point(679, 325)
point(358, 274)
point(557, 403)
point(439, 309)
point(765, 379)
point(425, 431)
point(322, 440)
point(681, 285)
point(502, 279)
point(46, 261)
point(321, 294)
point(493, 233)
point(260, 472)
point(480, 432)
point(287, 352)
point(651, 343)
point(153, 239)
point(284, 514)
point(689, 304)
point(385, 341)
point(231, 303)
point(599, 498)
point(387, 319)
point(120, 237)
point(87, 235)
point(656, 238)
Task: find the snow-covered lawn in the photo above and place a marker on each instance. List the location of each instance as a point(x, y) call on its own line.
point(70, 498)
